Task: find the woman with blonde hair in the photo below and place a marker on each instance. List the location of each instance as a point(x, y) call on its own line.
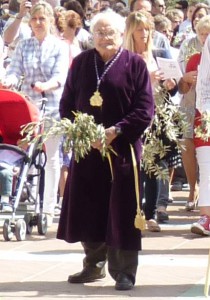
point(139, 39)
point(135, 20)
point(42, 60)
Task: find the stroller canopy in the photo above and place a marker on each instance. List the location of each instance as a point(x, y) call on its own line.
point(15, 111)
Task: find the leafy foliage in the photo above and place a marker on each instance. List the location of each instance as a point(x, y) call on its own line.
point(170, 122)
point(83, 131)
point(78, 135)
point(202, 131)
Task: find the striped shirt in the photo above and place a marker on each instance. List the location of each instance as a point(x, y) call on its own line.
point(35, 62)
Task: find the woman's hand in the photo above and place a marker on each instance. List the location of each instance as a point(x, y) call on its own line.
point(25, 6)
point(97, 145)
point(110, 136)
point(169, 84)
point(188, 80)
point(156, 76)
point(39, 86)
point(190, 77)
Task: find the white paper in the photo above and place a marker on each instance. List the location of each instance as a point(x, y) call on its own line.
point(169, 67)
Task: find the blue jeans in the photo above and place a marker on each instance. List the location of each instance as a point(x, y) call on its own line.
point(6, 178)
point(163, 187)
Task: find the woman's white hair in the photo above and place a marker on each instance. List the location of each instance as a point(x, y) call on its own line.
point(116, 21)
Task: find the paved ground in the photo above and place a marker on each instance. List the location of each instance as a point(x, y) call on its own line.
point(172, 265)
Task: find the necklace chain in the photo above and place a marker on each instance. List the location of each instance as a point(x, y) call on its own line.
point(106, 70)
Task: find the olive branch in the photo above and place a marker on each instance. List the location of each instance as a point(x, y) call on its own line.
point(168, 121)
point(83, 131)
point(78, 135)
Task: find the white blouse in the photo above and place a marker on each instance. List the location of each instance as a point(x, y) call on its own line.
point(203, 79)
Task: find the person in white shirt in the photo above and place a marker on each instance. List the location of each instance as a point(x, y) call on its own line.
point(202, 227)
point(187, 106)
point(185, 28)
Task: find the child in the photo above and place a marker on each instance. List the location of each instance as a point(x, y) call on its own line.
point(9, 163)
point(6, 179)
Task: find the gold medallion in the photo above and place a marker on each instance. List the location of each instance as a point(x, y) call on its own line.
point(96, 99)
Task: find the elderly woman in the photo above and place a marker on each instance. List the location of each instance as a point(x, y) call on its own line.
point(99, 210)
point(42, 60)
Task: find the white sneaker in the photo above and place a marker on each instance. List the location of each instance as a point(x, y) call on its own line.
point(57, 210)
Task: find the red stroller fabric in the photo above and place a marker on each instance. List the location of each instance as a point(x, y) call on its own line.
point(15, 111)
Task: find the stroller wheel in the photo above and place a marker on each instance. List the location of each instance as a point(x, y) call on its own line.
point(42, 224)
point(20, 230)
point(28, 219)
point(7, 230)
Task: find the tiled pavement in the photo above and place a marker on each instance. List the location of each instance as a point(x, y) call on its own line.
point(172, 265)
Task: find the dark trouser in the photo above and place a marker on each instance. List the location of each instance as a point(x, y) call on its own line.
point(149, 191)
point(119, 261)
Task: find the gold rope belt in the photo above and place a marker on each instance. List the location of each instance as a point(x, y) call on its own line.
point(139, 221)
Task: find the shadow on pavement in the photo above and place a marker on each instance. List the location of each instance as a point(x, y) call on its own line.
point(62, 289)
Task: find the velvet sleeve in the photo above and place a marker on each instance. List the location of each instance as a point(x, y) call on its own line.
point(142, 110)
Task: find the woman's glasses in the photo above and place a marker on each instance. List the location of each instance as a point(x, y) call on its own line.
point(109, 34)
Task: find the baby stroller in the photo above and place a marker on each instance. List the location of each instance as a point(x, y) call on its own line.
point(28, 183)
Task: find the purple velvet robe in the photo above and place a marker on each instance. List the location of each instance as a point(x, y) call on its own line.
point(95, 207)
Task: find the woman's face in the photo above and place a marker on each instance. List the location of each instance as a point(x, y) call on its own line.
point(69, 32)
point(167, 31)
point(202, 35)
point(176, 22)
point(40, 23)
point(141, 35)
point(199, 14)
point(107, 40)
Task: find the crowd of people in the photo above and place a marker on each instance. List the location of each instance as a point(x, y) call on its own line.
point(106, 51)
